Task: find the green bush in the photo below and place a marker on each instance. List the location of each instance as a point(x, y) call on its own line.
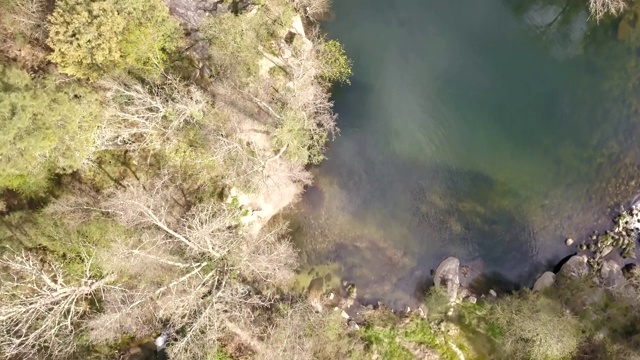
point(437, 302)
point(337, 67)
point(303, 139)
point(47, 128)
point(90, 38)
point(69, 245)
point(384, 341)
point(237, 43)
point(534, 327)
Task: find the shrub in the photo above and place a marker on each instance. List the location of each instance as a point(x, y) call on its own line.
point(312, 8)
point(298, 332)
point(47, 128)
point(90, 38)
point(303, 140)
point(535, 327)
point(437, 302)
point(337, 67)
point(237, 43)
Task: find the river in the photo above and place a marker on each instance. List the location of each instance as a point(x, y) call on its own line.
point(487, 130)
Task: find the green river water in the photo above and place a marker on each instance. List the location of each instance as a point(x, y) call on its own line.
point(489, 130)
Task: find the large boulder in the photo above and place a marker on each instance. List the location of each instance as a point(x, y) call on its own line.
point(448, 274)
point(576, 267)
point(544, 281)
point(611, 275)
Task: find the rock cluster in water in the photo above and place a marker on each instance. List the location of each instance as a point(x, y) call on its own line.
point(623, 237)
point(605, 271)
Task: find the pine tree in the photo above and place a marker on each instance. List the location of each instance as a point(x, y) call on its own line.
point(90, 38)
point(46, 128)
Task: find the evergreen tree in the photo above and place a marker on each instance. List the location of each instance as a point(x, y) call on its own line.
point(46, 128)
point(90, 38)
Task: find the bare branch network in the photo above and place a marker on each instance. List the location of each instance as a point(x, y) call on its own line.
point(600, 8)
point(42, 306)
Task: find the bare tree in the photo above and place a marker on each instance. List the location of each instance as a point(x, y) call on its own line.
point(268, 257)
point(207, 258)
point(28, 16)
point(147, 116)
point(207, 231)
point(42, 306)
point(599, 8)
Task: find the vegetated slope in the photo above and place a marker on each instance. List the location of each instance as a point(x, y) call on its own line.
point(142, 166)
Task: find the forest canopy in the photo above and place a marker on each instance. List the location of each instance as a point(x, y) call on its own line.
point(47, 128)
point(91, 38)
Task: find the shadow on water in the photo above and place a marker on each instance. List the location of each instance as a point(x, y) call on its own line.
point(475, 216)
point(442, 211)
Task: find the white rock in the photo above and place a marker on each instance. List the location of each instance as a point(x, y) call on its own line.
point(544, 281)
point(575, 267)
point(447, 274)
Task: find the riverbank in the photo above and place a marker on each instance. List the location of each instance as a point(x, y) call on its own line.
point(585, 307)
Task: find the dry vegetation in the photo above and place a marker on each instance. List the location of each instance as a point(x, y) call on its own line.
point(42, 305)
point(600, 8)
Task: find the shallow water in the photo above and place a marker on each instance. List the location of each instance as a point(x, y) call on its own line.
point(480, 129)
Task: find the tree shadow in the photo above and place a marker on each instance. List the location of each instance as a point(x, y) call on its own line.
point(476, 218)
point(448, 212)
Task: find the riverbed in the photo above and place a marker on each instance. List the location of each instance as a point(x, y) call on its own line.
point(484, 130)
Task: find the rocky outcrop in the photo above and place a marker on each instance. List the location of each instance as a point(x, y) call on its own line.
point(448, 274)
point(623, 237)
point(192, 12)
point(611, 276)
point(576, 267)
point(544, 281)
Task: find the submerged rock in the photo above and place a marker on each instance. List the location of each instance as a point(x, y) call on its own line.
point(448, 274)
point(575, 267)
point(544, 281)
point(611, 275)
